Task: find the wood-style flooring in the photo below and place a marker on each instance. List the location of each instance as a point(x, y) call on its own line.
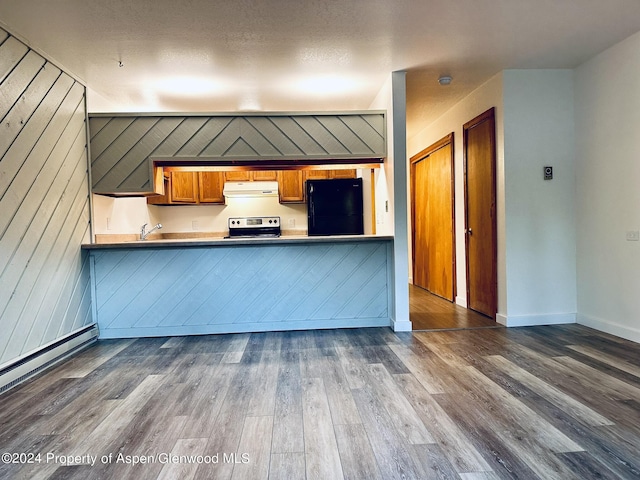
point(430, 312)
point(558, 402)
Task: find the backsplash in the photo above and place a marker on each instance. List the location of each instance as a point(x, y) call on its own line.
point(126, 215)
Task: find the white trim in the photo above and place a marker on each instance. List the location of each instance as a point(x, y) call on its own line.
point(610, 327)
point(183, 330)
point(402, 326)
point(535, 320)
point(461, 301)
point(48, 358)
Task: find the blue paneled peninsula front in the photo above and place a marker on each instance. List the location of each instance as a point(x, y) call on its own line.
point(191, 287)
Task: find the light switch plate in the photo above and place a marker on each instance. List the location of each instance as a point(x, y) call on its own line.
point(633, 236)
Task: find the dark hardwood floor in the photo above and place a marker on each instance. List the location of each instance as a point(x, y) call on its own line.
point(559, 402)
point(430, 312)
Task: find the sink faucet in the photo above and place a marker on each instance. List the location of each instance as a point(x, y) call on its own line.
point(144, 234)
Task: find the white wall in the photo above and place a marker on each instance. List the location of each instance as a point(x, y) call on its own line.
point(480, 100)
point(535, 218)
point(540, 215)
point(607, 112)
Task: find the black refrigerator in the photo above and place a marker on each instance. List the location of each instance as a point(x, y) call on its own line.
point(334, 207)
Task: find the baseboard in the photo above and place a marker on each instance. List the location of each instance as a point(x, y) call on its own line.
point(402, 326)
point(612, 328)
point(24, 367)
point(461, 301)
point(535, 320)
point(210, 329)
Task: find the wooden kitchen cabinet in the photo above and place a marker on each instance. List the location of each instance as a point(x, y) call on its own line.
point(292, 183)
point(326, 174)
point(317, 174)
point(206, 187)
point(162, 199)
point(291, 186)
point(237, 176)
point(264, 175)
point(210, 185)
point(251, 176)
point(350, 173)
point(184, 187)
point(190, 188)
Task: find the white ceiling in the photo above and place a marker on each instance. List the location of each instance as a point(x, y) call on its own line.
point(273, 55)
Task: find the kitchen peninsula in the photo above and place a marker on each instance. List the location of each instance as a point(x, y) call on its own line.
point(176, 285)
point(202, 286)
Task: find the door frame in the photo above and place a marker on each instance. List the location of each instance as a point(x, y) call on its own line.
point(443, 142)
point(488, 115)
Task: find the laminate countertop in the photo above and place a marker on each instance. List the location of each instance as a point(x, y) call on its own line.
point(220, 241)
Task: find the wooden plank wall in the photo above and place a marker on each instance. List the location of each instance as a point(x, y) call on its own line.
point(44, 202)
point(121, 146)
point(182, 291)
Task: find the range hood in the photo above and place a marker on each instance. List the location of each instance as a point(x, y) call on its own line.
point(250, 189)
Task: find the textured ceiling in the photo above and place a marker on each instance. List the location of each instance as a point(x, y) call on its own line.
point(271, 55)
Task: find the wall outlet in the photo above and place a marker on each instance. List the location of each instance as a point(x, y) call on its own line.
point(633, 236)
point(292, 222)
point(194, 225)
point(108, 223)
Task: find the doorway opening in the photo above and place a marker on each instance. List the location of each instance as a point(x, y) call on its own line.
point(432, 296)
point(430, 312)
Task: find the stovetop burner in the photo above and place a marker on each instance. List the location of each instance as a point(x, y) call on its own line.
point(254, 227)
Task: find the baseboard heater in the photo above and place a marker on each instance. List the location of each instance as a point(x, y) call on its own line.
point(25, 367)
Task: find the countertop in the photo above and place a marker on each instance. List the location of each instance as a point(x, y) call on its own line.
point(220, 241)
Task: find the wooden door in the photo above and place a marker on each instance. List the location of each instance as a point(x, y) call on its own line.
point(291, 186)
point(480, 209)
point(433, 219)
point(237, 176)
point(184, 187)
point(264, 175)
point(163, 199)
point(210, 186)
point(348, 173)
point(317, 174)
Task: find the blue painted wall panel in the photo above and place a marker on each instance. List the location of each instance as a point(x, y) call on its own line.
point(195, 290)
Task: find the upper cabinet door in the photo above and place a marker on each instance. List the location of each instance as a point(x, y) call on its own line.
point(184, 187)
point(237, 176)
point(350, 173)
point(265, 175)
point(317, 174)
point(291, 185)
point(210, 187)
